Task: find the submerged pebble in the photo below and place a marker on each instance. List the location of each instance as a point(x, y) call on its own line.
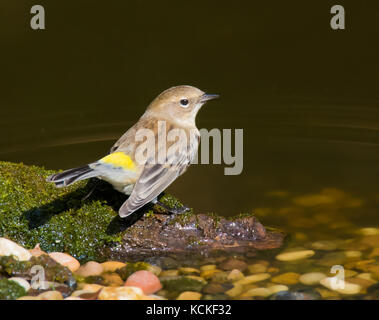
point(189, 295)
point(235, 275)
point(121, 293)
point(257, 268)
point(65, 260)
point(324, 245)
point(91, 268)
point(235, 291)
point(277, 288)
point(312, 278)
point(146, 280)
point(112, 266)
point(230, 264)
point(208, 267)
point(36, 251)
point(10, 248)
point(348, 288)
point(254, 278)
point(286, 278)
point(257, 292)
point(295, 255)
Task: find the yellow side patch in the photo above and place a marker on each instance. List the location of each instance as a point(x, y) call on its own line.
point(119, 159)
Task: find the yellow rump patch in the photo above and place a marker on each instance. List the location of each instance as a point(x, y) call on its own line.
point(119, 159)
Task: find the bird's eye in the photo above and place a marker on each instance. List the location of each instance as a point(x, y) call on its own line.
point(184, 102)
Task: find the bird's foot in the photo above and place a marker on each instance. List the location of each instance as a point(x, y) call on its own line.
point(170, 210)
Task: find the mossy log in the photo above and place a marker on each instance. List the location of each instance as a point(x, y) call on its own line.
point(33, 211)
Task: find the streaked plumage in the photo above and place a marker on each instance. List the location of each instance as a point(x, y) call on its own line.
point(145, 180)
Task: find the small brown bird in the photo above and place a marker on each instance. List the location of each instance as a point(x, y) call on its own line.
point(152, 153)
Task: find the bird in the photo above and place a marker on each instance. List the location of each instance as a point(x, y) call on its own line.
point(141, 164)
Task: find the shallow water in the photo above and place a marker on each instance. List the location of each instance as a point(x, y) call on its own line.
point(306, 97)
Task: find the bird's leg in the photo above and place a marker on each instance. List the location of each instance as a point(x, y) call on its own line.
point(95, 184)
point(181, 210)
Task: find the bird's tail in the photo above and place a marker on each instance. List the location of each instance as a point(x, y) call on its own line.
point(68, 177)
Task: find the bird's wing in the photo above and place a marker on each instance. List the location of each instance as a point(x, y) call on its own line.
point(154, 179)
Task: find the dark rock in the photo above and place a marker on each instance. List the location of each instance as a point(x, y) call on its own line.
point(193, 235)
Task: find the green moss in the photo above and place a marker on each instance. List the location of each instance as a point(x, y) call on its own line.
point(10, 290)
point(10, 266)
point(130, 268)
point(182, 283)
point(33, 211)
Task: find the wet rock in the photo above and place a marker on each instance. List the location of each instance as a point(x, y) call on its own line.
point(112, 280)
point(254, 278)
point(312, 278)
point(36, 251)
point(189, 295)
point(130, 268)
point(364, 283)
point(193, 271)
point(258, 267)
point(235, 291)
point(257, 292)
point(235, 275)
point(121, 293)
point(51, 295)
point(287, 278)
point(112, 266)
point(91, 268)
point(10, 248)
point(213, 287)
point(147, 281)
point(208, 274)
point(195, 236)
point(295, 255)
point(208, 267)
point(353, 254)
point(368, 231)
point(277, 288)
point(230, 264)
point(65, 260)
point(349, 288)
point(220, 277)
point(296, 295)
point(169, 273)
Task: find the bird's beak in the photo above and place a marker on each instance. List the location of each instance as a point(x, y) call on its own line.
point(207, 96)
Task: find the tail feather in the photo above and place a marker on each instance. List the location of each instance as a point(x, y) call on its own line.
point(70, 176)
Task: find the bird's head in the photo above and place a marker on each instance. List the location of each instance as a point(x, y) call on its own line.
point(180, 104)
